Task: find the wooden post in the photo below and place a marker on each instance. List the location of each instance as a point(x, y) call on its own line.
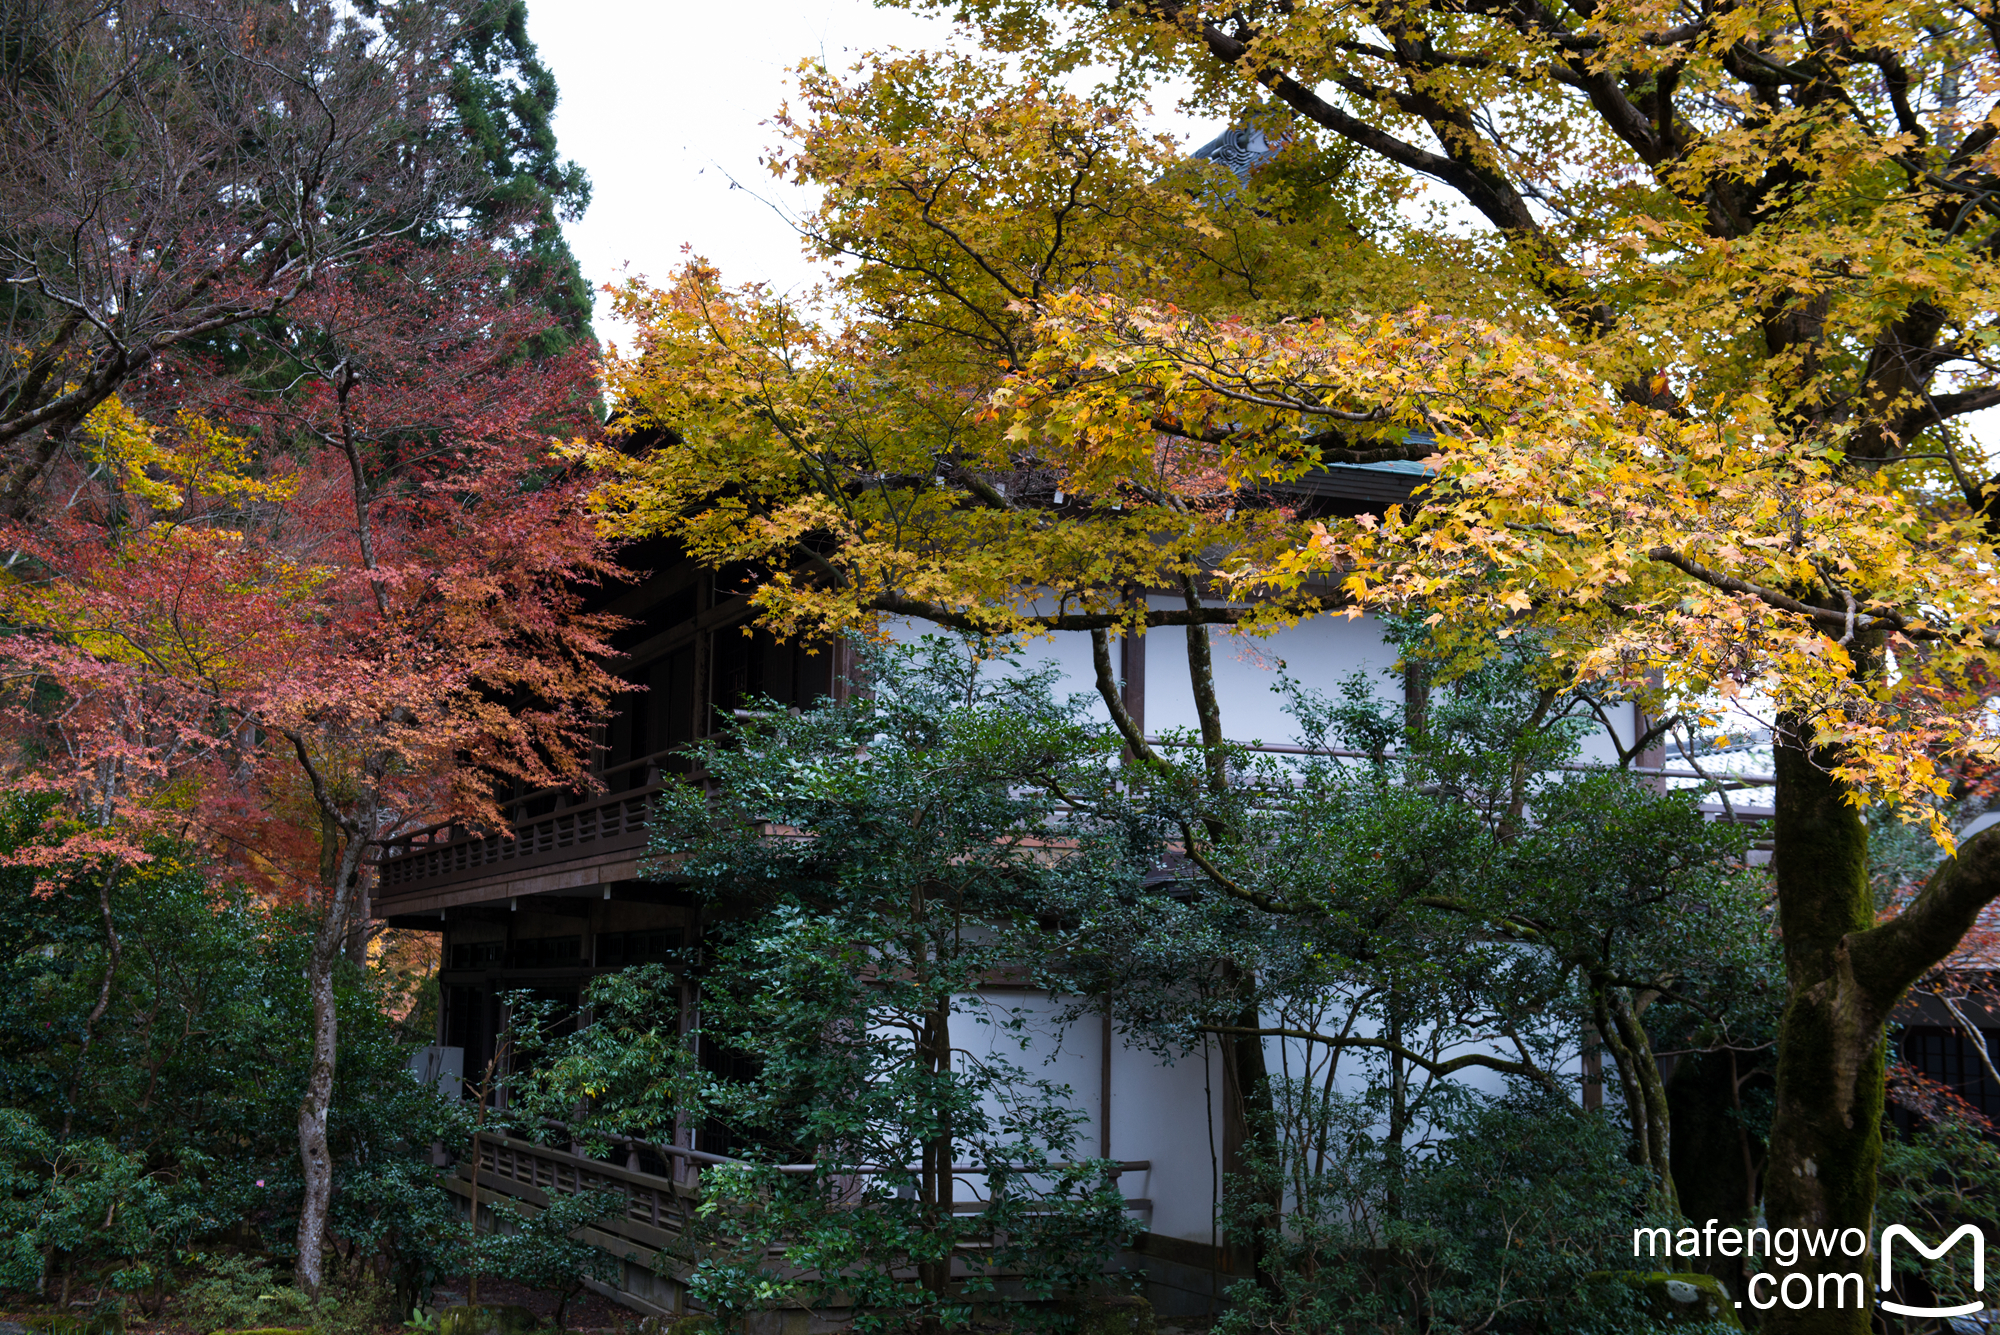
point(1104, 1087)
point(1132, 689)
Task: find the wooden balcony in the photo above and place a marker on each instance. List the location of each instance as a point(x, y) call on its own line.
point(573, 842)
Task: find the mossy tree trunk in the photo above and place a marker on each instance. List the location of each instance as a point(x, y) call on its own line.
point(1250, 1067)
point(1646, 1110)
point(1844, 974)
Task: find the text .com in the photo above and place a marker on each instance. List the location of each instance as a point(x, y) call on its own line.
point(1787, 1246)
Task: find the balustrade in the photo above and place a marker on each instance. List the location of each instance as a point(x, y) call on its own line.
point(574, 828)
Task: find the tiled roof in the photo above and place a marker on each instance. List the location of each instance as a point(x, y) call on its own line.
point(1240, 150)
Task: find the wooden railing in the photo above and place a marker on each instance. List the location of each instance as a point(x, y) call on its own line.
point(607, 822)
point(660, 1206)
point(656, 1209)
point(660, 1202)
point(614, 822)
point(642, 1235)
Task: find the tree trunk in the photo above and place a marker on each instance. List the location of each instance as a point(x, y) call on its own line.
point(1399, 1111)
point(113, 952)
point(472, 1215)
point(315, 1155)
point(1257, 1171)
point(935, 1276)
point(1646, 1110)
point(1251, 1071)
point(1826, 1129)
point(1207, 708)
point(1843, 978)
point(1416, 699)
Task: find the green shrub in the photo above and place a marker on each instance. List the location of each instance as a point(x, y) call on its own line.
point(1498, 1223)
point(101, 1210)
point(177, 1101)
point(240, 1293)
point(1933, 1181)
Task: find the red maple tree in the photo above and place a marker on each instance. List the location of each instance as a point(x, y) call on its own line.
point(331, 590)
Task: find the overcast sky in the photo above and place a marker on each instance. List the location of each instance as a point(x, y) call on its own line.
point(663, 113)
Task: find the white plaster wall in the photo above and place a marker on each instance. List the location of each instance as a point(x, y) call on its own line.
point(1597, 747)
point(1319, 653)
point(1051, 1052)
point(1065, 1056)
point(1068, 650)
point(1160, 1113)
point(1171, 1116)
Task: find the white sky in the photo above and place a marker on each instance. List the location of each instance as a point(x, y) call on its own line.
point(662, 114)
point(662, 127)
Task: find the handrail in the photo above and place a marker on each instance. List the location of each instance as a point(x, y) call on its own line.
point(416, 839)
point(425, 837)
point(567, 831)
point(1578, 767)
point(703, 1156)
point(654, 1208)
point(420, 832)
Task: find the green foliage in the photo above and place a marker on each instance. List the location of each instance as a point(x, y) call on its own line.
point(539, 1248)
point(629, 1072)
point(84, 1200)
point(1380, 930)
point(1450, 903)
point(504, 98)
point(234, 1292)
point(178, 1102)
point(1494, 1221)
point(877, 861)
point(1935, 1180)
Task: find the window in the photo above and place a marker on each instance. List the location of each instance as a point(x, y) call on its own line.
point(478, 954)
point(618, 950)
point(548, 952)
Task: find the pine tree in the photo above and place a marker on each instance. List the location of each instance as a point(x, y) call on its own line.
point(504, 97)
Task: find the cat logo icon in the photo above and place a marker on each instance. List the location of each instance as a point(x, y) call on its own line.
point(1894, 1231)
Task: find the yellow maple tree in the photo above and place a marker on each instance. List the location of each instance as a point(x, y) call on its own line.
point(1687, 303)
point(847, 445)
point(1714, 430)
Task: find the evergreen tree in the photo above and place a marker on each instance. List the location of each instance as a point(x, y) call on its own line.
point(504, 97)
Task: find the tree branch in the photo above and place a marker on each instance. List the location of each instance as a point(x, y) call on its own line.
point(1228, 884)
point(1887, 959)
point(1114, 700)
point(1843, 619)
point(942, 615)
point(1430, 1064)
